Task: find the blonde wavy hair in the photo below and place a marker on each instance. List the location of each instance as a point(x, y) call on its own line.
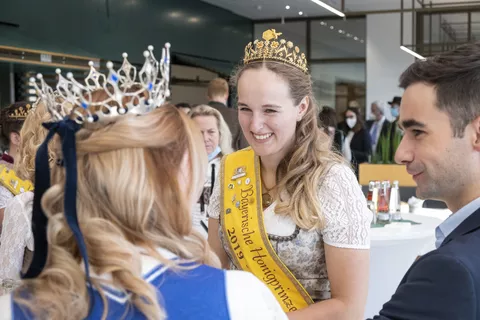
point(32, 136)
point(225, 135)
point(301, 171)
point(128, 197)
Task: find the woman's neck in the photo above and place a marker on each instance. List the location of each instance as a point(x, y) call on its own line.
point(268, 167)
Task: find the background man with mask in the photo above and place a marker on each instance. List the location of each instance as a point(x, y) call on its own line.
point(395, 107)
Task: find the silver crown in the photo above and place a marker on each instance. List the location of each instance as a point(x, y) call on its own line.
point(126, 93)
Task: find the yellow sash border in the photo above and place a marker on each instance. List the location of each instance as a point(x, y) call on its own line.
point(14, 184)
point(262, 231)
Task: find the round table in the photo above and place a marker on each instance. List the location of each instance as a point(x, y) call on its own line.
point(393, 250)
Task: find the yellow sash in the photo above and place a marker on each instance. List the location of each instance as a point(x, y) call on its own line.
point(244, 230)
point(14, 184)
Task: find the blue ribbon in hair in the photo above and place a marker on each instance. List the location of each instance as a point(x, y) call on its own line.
point(66, 129)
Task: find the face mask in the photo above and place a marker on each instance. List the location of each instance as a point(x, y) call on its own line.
point(214, 154)
point(351, 122)
point(394, 112)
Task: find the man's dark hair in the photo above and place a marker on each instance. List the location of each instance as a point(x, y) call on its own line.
point(455, 75)
point(183, 105)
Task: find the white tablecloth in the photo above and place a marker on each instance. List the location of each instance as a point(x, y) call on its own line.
point(394, 249)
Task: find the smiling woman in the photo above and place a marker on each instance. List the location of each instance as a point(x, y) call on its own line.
point(289, 203)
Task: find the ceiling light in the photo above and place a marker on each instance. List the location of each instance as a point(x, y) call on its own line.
point(355, 38)
point(361, 41)
point(332, 27)
point(193, 19)
point(349, 35)
point(259, 7)
point(413, 53)
point(175, 14)
point(32, 99)
point(329, 8)
point(300, 13)
point(287, 7)
point(323, 23)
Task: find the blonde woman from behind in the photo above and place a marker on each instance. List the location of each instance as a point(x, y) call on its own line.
point(134, 196)
point(218, 142)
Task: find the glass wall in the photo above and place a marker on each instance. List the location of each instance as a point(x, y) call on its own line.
point(337, 85)
point(336, 57)
point(334, 39)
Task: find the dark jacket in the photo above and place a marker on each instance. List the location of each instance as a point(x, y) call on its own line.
point(361, 146)
point(231, 118)
point(443, 284)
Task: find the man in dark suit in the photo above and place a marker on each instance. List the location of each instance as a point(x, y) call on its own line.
point(440, 115)
point(218, 96)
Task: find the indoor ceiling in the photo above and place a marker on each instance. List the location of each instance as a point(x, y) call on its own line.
point(272, 9)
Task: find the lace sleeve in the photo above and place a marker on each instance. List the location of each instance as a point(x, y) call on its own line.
point(15, 235)
point(213, 209)
point(343, 204)
point(5, 196)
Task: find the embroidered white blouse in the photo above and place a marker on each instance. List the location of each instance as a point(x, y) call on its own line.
point(347, 225)
point(16, 235)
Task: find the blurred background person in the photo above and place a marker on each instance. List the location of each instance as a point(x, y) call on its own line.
point(357, 137)
point(328, 121)
point(379, 126)
point(217, 94)
point(218, 142)
point(16, 240)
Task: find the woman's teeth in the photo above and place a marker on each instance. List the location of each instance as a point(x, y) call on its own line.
point(263, 136)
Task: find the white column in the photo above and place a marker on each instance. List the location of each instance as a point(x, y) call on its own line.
point(385, 60)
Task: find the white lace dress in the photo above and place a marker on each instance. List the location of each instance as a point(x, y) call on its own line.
point(347, 226)
point(5, 196)
point(16, 236)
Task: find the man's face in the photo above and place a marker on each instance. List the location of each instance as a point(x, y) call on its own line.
point(436, 159)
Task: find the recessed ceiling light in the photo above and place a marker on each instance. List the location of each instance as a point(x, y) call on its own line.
point(331, 9)
point(362, 41)
point(175, 14)
point(323, 23)
point(287, 7)
point(355, 38)
point(259, 7)
point(300, 13)
point(332, 27)
point(193, 20)
point(349, 35)
point(413, 53)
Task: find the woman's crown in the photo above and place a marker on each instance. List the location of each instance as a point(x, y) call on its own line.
point(274, 49)
point(126, 93)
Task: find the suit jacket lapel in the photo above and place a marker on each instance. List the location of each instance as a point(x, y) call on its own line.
point(470, 224)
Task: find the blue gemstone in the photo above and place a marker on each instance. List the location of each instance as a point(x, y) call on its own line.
point(150, 86)
point(84, 105)
point(114, 78)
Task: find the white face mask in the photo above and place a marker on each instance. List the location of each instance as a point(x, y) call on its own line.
point(351, 122)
